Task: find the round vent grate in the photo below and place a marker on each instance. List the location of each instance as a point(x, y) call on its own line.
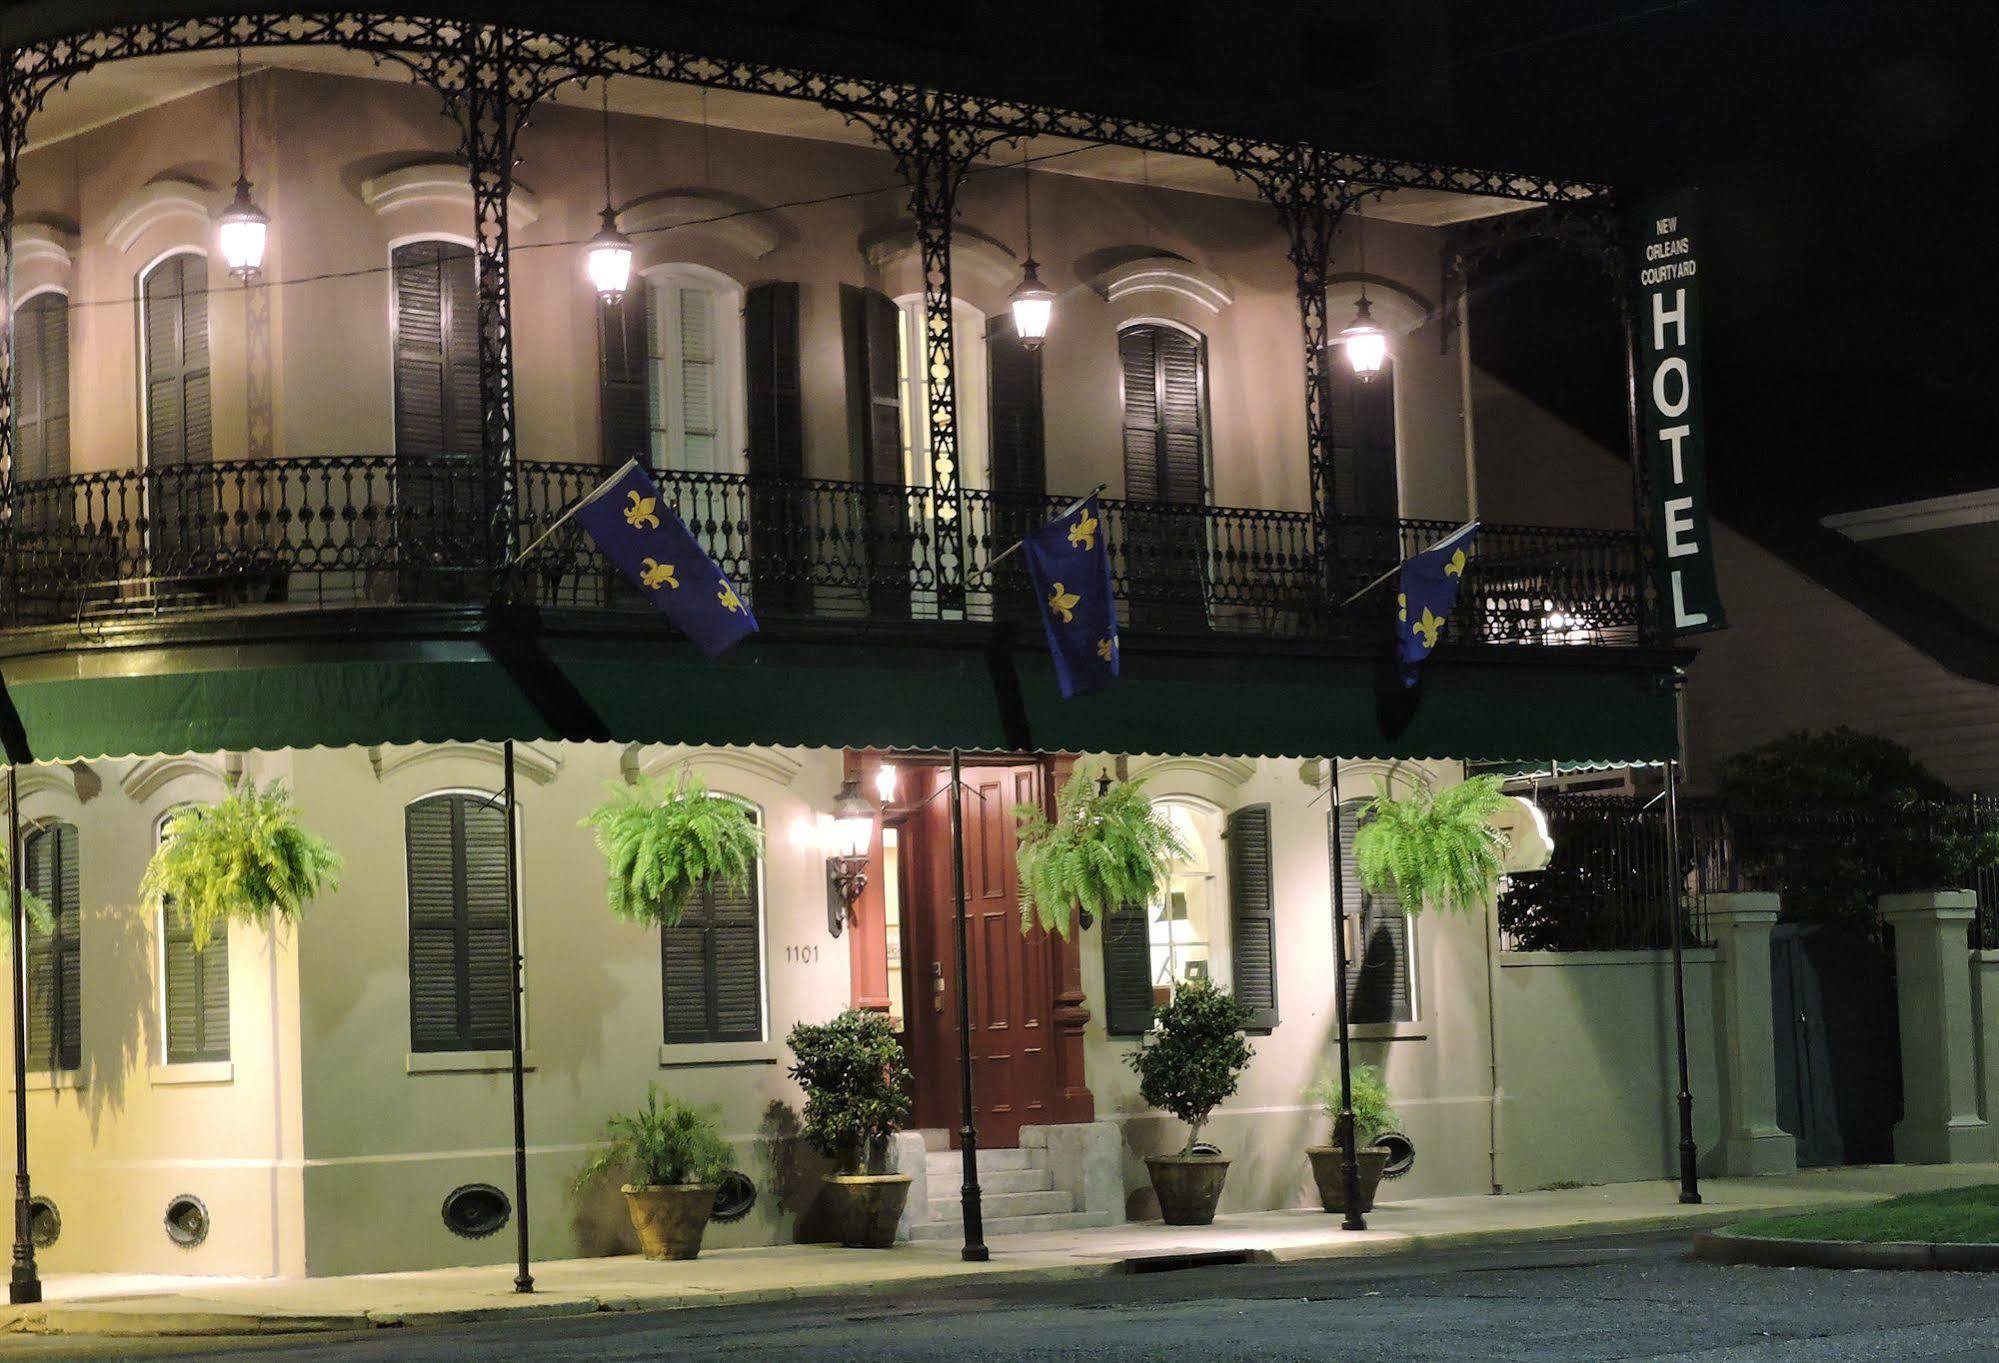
point(187, 1221)
point(44, 1222)
point(735, 1198)
point(1401, 1153)
point(1203, 1149)
point(476, 1210)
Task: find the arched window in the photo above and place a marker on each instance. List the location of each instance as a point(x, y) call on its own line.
point(1380, 979)
point(436, 345)
point(41, 387)
point(461, 972)
point(711, 965)
point(672, 363)
point(1164, 371)
point(194, 985)
point(50, 870)
point(968, 341)
point(180, 429)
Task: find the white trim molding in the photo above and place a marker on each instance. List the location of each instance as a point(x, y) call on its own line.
point(766, 764)
point(1229, 771)
point(538, 764)
point(976, 258)
point(438, 181)
point(734, 224)
point(42, 781)
point(144, 778)
point(162, 201)
point(1913, 518)
point(37, 243)
point(1174, 276)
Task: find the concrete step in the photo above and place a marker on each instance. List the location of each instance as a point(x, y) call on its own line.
point(1014, 1225)
point(950, 1163)
point(1001, 1205)
point(946, 1183)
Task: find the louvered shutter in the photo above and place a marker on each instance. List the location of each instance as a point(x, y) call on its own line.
point(1138, 359)
point(872, 326)
point(196, 992)
point(1019, 458)
point(50, 869)
point(711, 968)
point(1360, 423)
point(625, 376)
point(41, 389)
point(438, 428)
point(698, 442)
point(1165, 461)
point(779, 533)
point(1378, 959)
point(461, 972)
point(1253, 915)
point(1127, 972)
point(179, 421)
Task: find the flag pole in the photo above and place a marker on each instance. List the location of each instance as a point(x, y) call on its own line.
point(572, 509)
point(1344, 1133)
point(996, 559)
point(1398, 567)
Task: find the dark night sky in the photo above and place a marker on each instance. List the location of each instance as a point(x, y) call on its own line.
point(1845, 155)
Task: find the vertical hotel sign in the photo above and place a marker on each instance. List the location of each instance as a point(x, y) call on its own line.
point(1670, 404)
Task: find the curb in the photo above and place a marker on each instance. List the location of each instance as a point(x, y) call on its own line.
point(1725, 1247)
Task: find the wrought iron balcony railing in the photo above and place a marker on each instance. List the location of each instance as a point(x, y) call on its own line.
point(329, 531)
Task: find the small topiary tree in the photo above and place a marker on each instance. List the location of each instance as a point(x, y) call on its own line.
point(857, 1086)
point(1191, 1061)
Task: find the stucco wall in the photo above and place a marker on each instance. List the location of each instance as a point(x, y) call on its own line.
point(118, 1139)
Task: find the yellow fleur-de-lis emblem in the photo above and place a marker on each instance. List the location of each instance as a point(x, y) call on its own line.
point(1063, 602)
point(657, 575)
point(1107, 648)
point(727, 596)
point(1428, 628)
point(1402, 607)
point(1083, 533)
point(1456, 567)
point(639, 513)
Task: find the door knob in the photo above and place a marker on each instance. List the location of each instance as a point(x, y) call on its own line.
point(936, 986)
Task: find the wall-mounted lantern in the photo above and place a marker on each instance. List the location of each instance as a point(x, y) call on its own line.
point(851, 834)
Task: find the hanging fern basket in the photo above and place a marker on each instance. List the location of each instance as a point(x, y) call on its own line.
point(244, 857)
point(1105, 849)
point(663, 841)
point(1434, 848)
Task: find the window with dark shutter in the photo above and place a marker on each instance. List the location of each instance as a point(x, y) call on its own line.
point(626, 365)
point(195, 985)
point(173, 316)
point(711, 967)
point(1128, 996)
point(1378, 963)
point(870, 324)
point(461, 973)
point(1019, 458)
point(50, 869)
point(1252, 915)
point(41, 388)
point(780, 535)
point(439, 430)
point(1165, 461)
point(1360, 428)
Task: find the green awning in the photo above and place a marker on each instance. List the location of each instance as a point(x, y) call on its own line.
point(885, 693)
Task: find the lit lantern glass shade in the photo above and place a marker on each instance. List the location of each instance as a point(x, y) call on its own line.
point(609, 260)
point(853, 823)
point(242, 233)
point(1366, 343)
point(1033, 304)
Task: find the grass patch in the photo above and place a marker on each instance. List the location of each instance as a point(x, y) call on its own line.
point(1957, 1216)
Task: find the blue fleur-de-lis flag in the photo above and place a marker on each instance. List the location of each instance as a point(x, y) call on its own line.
point(640, 533)
point(1070, 564)
point(1430, 582)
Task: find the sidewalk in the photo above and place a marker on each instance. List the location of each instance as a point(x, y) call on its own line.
point(126, 1305)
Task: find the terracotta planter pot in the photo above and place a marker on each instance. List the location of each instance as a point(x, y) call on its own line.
point(1326, 1161)
point(1189, 1186)
point(670, 1220)
point(868, 1207)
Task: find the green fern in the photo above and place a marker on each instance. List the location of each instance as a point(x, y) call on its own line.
point(244, 857)
point(1434, 848)
point(664, 1143)
point(1102, 852)
point(40, 918)
point(663, 840)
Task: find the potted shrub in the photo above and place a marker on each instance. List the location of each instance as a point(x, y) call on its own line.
point(671, 1159)
point(1189, 1064)
point(857, 1085)
point(1105, 849)
point(243, 857)
point(1434, 848)
point(1371, 1116)
point(663, 841)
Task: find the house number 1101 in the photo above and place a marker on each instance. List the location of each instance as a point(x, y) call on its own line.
point(802, 955)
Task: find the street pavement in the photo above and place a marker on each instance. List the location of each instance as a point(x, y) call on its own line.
point(1631, 1297)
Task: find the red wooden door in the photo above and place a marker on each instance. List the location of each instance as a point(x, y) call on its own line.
point(1013, 979)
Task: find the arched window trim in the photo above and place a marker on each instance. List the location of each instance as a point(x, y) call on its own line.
point(426, 1062)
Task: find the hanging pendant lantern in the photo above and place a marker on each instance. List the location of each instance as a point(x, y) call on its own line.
point(608, 257)
point(243, 230)
point(1033, 304)
point(1366, 343)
